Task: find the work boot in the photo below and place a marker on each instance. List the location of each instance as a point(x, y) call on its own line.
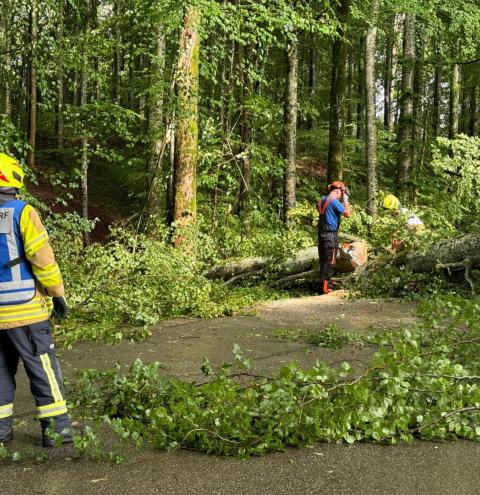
point(6, 430)
point(52, 427)
point(6, 436)
point(325, 288)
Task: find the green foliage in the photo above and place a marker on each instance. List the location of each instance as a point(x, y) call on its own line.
point(88, 445)
point(330, 336)
point(11, 140)
point(453, 191)
point(120, 289)
point(393, 281)
point(421, 383)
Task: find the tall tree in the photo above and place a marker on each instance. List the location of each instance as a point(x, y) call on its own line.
point(360, 126)
point(246, 125)
point(405, 130)
point(312, 83)
point(291, 113)
point(60, 122)
point(454, 105)
point(337, 97)
point(156, 115)
point(370, 113)
point(418, 107)
point(186, 142)
point(437, 95)
point(33, 81)
point(84, 139)
point(391, 55)
point(473, 110)
point(6, 31)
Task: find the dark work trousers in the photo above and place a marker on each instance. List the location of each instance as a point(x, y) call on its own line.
point(34, 345)
point(327, 251)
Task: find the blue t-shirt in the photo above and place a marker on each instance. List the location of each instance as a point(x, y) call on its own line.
point(333, 213)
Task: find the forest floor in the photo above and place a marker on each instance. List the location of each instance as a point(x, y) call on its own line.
point(418, 468)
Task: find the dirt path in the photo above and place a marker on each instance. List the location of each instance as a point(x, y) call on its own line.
point(423, 468)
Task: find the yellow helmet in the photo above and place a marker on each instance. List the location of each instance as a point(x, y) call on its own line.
point(391, 202)
point(11, 173)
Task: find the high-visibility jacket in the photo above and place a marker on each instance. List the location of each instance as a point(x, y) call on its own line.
point(35, 274)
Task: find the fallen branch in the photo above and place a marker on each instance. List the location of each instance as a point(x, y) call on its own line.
point(467, 264)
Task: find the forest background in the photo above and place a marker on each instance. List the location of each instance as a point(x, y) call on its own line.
point(163, 138)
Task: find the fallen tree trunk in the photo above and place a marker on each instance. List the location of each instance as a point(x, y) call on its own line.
point(302, 261)
point(301, 265)
point(445, 252)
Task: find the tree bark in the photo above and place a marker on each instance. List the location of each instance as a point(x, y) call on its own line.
point(448, 251)
point(370, 113)
point(84, 138)
point(388, 84)
point(437, 98)
point(360, 125)
point(473, 125)
point(186, 149)
point(32, 118)
point(117, 57)
point(246, 127)
point(7, 92)
point(291, 113)
point(155, 118)
point(454, 99)
point(312, 84)
point(391, 54)
point(350, 125)
point(337, 98)
point(405, 127)
point(418, 95)
point(60, 79)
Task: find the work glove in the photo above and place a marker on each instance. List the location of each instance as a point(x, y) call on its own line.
point(60, 308)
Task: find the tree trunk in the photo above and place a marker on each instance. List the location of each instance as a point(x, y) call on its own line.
point(418, 95)
point(405, 129)
point(60, 79)
point(437, 97)
point(84, 139)
point(454, 99)
point(360, 126)
point(388, 85)
point(312, 84)
point(32, 118)
point(473, 125)
point(7, 92)
point(350, 127)
point(186, 151)
point(246, 127)
point(370, 113)
point(155, 118)
point(291, 112)
point(448, 251)
point(337, 98)
point(391, 54)
point(170, 195)
point(117, 57)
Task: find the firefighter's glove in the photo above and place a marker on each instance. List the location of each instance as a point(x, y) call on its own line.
point(60, 308)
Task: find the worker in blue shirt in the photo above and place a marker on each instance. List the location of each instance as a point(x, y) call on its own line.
point(331, 208)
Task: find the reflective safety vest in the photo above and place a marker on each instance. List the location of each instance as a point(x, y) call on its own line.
point(17, 282)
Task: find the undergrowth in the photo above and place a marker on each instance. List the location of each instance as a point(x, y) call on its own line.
point(121, 289)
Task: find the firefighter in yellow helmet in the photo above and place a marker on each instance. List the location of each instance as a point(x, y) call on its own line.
point(30, 287)
point(391, 202)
